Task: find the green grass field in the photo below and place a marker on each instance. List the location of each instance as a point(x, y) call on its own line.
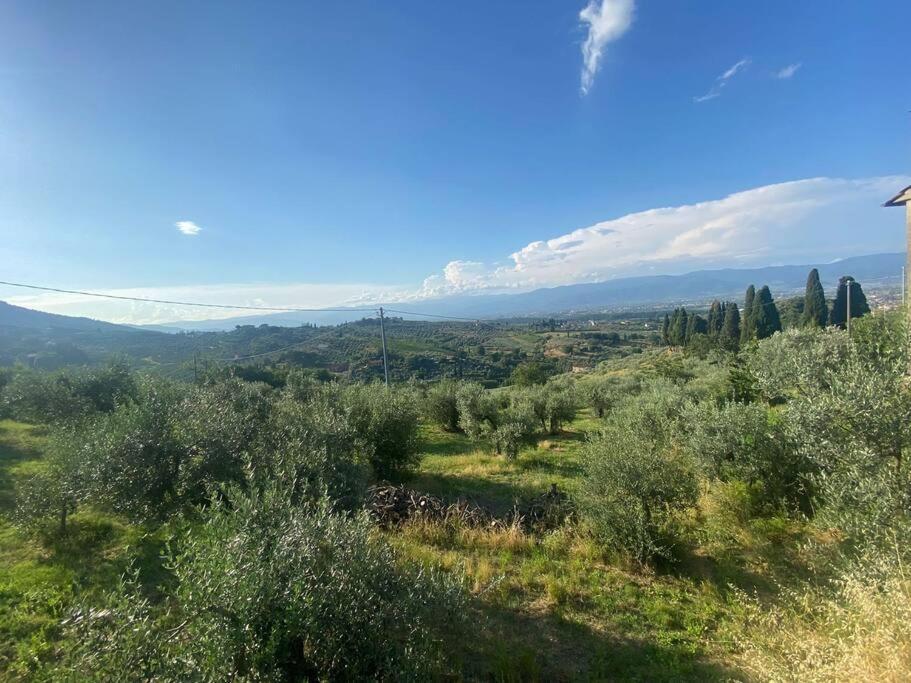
point(552, 606)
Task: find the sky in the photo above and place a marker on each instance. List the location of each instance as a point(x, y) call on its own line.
point(324, 153)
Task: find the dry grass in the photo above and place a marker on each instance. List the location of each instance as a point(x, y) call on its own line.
point(859, 632)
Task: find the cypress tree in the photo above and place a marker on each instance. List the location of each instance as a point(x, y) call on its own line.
point(815, 311)
point(730, 330)
point(747, 329)
point(690, 329)
point(679, 338)
point(716, 319)
point(766, 320)
point(665, 328)
point(859, 305)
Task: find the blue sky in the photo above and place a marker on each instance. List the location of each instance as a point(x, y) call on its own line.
point(334, 152)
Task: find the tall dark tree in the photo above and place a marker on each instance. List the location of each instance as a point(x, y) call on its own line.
point(730, 329)
point(859, 305)
point(690, 329)
point(678, 327)
point(716, 318)
point(766, 320)
point(665, 329)
point(747, 328)
point(815, 311)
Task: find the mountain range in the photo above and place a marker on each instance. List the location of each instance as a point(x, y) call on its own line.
point(872, 271)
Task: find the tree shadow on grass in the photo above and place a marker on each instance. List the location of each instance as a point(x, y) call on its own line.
point(511, 645)
point(98, 550)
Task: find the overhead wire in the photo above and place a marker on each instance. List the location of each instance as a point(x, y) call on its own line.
point(185, 303)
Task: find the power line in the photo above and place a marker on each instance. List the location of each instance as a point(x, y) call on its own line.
point(185, 303)
point(432, 315)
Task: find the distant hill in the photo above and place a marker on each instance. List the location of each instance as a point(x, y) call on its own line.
point(47, 340)
point(17, 316)
point(872, 271)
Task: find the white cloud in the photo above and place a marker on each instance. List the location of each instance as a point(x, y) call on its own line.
point(814, 220)
point(722, 80)
point(788, 71)
point(806, 221)
point(188, 227)
point(607, 20)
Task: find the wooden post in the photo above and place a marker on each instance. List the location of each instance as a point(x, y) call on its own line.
point(903, 198)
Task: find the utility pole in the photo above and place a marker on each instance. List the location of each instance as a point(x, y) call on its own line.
point(849, 308)
point(903, 198)
point(383, 334)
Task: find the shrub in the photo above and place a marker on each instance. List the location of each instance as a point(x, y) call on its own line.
point(34, 396)
point(797, 361)
point(217, 427)
point(634, 483)
point(750, 443)
point(479, 410)
point(270, 591)
point(39, 397)
point(386, 419)
point(314, 449)
point(442, 405)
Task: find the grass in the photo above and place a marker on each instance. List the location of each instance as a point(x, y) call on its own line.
point(552, 607)
point(40, 577)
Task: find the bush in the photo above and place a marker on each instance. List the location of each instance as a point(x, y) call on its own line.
point(41, 397)
point(634, 483)
point(217, 427)
point(748, 442)
point(479, 410)
point(270, 591)
point(442, 405)
point(314, 449)
point(797, 361)
point(131, 459)
point(386, 419)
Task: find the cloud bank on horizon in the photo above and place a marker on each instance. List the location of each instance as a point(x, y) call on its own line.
point(811, 220)
point(803, 221)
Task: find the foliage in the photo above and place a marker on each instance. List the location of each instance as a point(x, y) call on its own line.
point(267, 590)
point(748, 442)
point(634, 483)
point(795, 361)
point(747, 325)
point(531, 373)
point(66, 395)
point(859, 305)
point(815, 310)
point(441, 405)
point(386, 420)
point(313, 449)
point(765, 319)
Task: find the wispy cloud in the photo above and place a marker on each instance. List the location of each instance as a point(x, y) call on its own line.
point(607, 20)
point(188, 227)
point(722, 81)
point(799, 221)
point(788, 71)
